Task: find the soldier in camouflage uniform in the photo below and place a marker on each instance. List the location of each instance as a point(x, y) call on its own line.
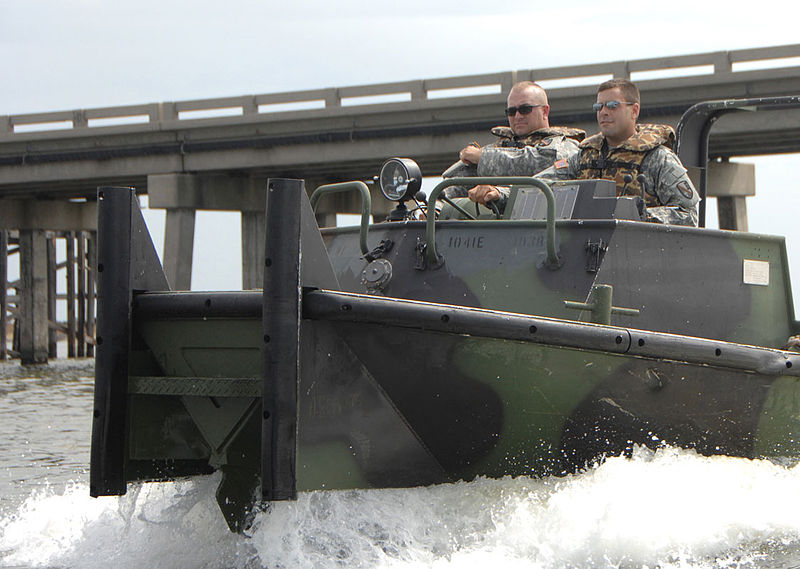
point(633, 156)
point(527, 146)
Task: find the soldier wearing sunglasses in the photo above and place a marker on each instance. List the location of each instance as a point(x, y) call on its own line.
point(633, 155)
point(525, 147)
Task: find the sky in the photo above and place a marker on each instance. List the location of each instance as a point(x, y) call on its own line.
point(72, 54)
point(68, 54)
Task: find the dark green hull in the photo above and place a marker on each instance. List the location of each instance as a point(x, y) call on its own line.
point(479, 394)
point(472, 368)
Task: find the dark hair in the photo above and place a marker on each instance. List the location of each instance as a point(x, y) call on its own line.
point(629, 90)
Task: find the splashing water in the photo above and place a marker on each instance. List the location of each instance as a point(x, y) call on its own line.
point(669, 509)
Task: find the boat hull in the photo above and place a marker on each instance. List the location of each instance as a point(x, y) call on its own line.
point(304, 387)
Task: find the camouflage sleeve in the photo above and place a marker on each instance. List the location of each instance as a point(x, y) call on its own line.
point(459, 170)
point(667, 180)
point(526, 161)
point(562, 169)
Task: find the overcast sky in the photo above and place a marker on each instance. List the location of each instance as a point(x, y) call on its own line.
point(71, 54)
point(67, 54)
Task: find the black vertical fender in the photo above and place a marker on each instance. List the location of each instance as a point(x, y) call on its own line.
point(281, 324)
point(126, 262)
point(295, 259)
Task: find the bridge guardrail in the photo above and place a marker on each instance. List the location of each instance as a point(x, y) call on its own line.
point(416, 92)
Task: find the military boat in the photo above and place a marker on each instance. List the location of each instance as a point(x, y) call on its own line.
point(421, 351)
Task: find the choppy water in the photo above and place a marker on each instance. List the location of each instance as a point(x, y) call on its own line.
point(666, 509)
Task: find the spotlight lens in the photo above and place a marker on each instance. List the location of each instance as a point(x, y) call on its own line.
point(400, 179)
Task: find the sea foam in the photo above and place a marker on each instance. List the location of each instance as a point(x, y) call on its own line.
point(670, 508)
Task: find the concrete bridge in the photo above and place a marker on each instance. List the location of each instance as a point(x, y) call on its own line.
point(345, 133)
point(218, 153)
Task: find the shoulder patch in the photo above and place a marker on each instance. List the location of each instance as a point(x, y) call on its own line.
point(559, 164)
point(685, 189)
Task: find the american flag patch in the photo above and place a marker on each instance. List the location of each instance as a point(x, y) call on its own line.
point(560, 164)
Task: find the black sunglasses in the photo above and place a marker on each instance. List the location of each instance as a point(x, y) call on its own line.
point(597, 107)
point(522, 109)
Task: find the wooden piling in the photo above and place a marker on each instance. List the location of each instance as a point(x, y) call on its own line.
point(81, 325)
point(91, 249)
point(52, 273)
point(70, 268)
point(31, 306)
point(33, 344)
point(3, 294)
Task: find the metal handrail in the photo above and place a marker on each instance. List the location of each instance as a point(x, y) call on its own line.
point(695, 125)
point(366, 205)
point(525, 181)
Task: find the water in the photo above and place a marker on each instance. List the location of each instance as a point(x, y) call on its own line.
point(670, 509)
point(45, 426)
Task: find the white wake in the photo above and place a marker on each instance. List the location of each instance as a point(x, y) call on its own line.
point(666, 509)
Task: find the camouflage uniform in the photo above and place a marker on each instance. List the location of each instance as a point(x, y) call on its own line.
point(513, 155)
point(670, 196)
